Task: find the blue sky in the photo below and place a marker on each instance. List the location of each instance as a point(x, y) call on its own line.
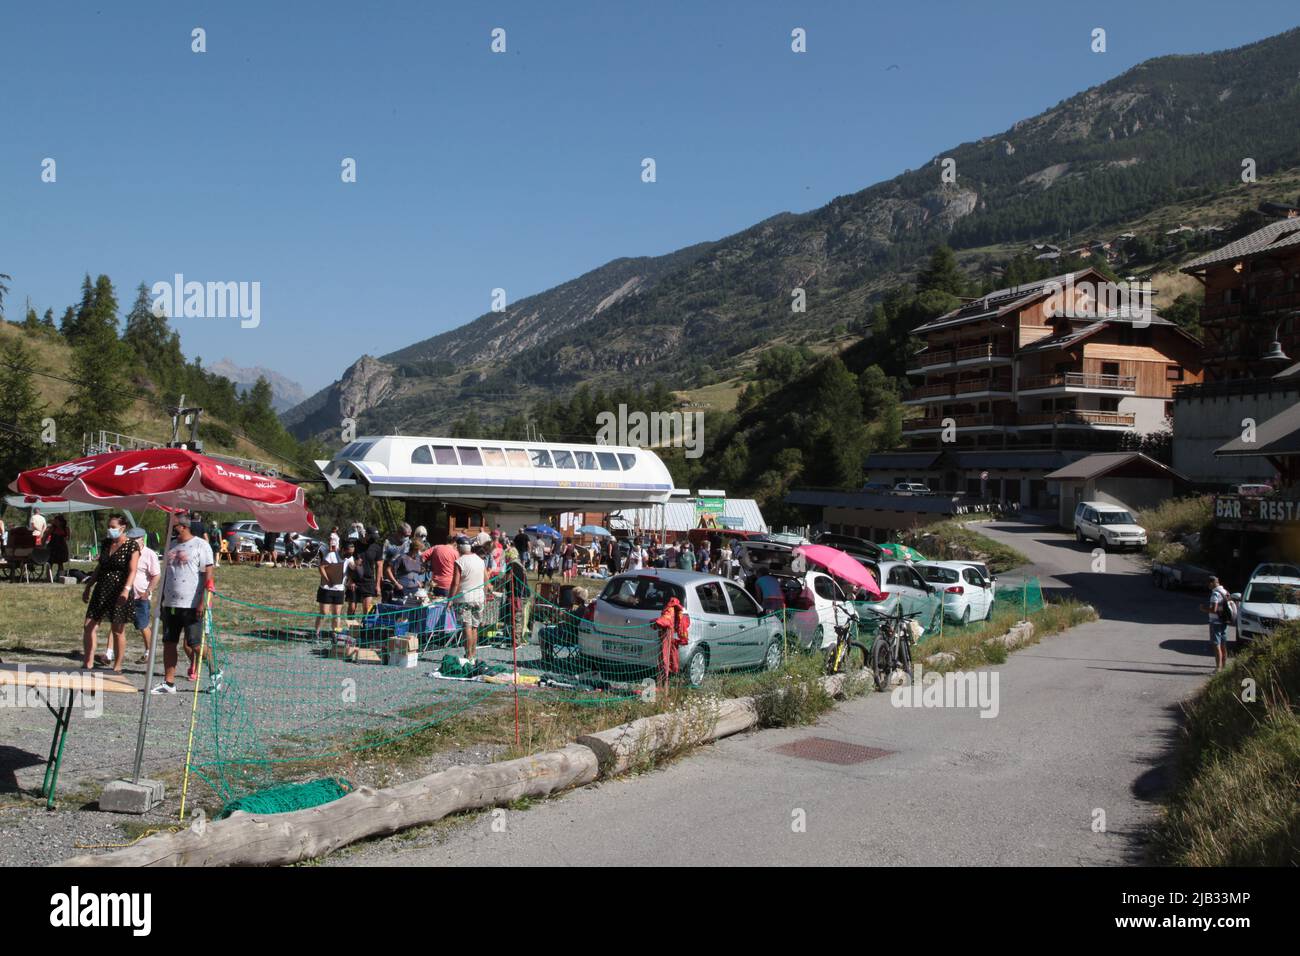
point(479, 170)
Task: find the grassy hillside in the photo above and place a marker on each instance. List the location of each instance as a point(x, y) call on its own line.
point(144, 418)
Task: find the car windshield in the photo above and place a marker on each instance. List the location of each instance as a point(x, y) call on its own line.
point(1262, 592)
point(1114, 517)
point(641, 593)
point(938, 575)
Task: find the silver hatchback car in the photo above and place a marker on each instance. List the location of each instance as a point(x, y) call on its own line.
point(728, 631)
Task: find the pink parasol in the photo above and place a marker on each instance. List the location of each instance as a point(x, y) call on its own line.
point(841, 565)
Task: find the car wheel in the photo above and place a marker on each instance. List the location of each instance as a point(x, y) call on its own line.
point(772, 659)
point(1078, 536)
point(698, 668)
point(819, 635)
point(965, 616)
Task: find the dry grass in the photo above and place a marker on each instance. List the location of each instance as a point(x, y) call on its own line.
point(1235, 802)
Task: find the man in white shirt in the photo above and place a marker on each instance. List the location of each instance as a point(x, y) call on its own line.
point(1220, 613)
point(185, 599)
point(468, 592)
point(37, 524)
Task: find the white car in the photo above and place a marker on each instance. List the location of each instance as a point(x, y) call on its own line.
point(1267, 601)
point(911, 488)
point(813, 601)
point(1109, 525)
point(967, 594)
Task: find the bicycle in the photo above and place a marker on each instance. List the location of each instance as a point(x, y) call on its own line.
point(892, 648)
point(840, 657)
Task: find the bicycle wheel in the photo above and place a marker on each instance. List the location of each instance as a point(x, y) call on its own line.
point(857, 657)
point(905, 658)
point(882, 662)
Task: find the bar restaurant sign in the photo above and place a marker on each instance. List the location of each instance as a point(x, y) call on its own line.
point(1270, 512)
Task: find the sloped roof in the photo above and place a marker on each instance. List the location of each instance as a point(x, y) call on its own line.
point(1096, 466)
point(680, 515)
point(1150, 319)
point(1279, 435)
point(1283, 234)
point(1000, 301)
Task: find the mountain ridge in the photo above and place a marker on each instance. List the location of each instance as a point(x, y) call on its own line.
point(1156, 134)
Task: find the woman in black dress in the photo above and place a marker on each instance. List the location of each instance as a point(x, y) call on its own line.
point(56, 539)
point(111, 599)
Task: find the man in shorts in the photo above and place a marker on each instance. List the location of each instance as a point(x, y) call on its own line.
point(469, 591)
point(1220, 613)
point(186, 587)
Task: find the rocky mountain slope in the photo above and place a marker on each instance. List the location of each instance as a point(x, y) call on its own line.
point(285, 393)
point(1168, 130)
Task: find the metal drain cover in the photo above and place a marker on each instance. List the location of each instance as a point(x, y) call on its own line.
point(825, 750)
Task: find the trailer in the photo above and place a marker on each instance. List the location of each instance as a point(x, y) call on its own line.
point(1180, 575)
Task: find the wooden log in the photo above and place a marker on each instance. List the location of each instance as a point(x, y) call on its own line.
point(639, 743)
point(275, 839)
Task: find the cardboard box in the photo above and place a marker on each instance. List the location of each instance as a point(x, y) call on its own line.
point(363, 655)
point(339, 649)
point(403, 645)
point(403, 659)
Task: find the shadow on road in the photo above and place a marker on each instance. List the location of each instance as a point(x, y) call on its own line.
point(13, 759)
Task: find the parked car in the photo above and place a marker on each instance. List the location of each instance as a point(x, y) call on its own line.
point(813, 601)
point(1109, 525)
point(1252, 490)
point(966, 593)
point(900, 582)
point(1267, 601)
point(983, 569)
point(911, 488)
point(849, 544)
point(729, 630)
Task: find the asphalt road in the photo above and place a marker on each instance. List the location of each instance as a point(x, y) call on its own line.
point(1084, 725)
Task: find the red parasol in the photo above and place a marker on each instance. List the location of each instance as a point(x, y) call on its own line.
point(170, 479)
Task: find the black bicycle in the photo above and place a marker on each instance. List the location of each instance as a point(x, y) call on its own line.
point(892, 648)
point(847, 654)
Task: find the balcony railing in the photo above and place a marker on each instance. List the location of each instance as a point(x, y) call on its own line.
point(984, 385)
point(940, 357)
point(1119, 383)
point(960, 421)
point(942, 390)
point(1078, 417)
point(988, 350)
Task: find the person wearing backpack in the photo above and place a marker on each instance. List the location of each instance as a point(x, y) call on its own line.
point(1220, 612)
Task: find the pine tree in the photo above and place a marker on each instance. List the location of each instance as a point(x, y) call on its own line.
point(155, 345)
point(100, 364)
point(21, 411)
point(30, 321)
point(941, 274)
point(47, 322)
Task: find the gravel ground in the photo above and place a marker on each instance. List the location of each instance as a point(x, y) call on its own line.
point(289, 691)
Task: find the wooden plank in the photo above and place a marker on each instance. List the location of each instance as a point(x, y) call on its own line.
point(65, 678)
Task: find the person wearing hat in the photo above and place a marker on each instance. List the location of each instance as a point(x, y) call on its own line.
point(469, 591)
point(147, 572)
point(184, 602)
